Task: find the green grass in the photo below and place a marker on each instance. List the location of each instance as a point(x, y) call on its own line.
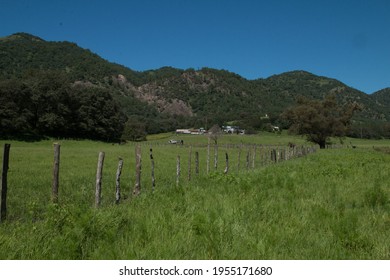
point(265, 138)
point(333, 204)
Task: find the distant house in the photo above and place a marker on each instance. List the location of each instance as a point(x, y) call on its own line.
point(196, 131)
point(183, 131)
point(233, 129)
point(193, 131)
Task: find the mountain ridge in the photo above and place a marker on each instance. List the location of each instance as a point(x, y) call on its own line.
point(32, 38)
point(182, 97)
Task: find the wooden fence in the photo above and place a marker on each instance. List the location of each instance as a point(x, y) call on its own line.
point(254, 156)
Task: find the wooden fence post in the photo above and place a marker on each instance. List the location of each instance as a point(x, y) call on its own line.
point(177, 170)
point(4, 186)
point(227, 163)
point(254, 156)
point(247, 159)
point(117, 181)
point(196, 163)
point(189, 164)
point(273, 156)
point(99, 175)
point(138, 168)
point(215, 157)
point(56, 170)
point(152, 168)
point(208, 157)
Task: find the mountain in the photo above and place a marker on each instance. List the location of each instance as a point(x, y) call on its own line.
point(21, 52)
point(382, 101)
point(167, 98)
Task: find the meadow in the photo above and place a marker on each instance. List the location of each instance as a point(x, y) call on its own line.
point(332, 204)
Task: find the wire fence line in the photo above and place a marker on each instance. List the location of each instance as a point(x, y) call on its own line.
point(224, 159)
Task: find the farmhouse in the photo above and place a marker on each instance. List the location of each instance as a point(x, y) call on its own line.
point(196, 131)
point(232, 129)
point(183, 131)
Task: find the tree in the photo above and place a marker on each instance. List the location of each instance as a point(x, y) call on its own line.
point(214, 133)
point(320, 119)
point(134, 130)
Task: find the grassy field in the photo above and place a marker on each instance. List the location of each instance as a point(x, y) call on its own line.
point(333, 204)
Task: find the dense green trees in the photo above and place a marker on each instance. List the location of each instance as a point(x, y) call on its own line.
point(134, 130)
point(47, 104)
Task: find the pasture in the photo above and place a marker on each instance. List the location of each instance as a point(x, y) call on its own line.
point(332, 204)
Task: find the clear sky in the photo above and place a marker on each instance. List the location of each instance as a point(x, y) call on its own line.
point(348, 40)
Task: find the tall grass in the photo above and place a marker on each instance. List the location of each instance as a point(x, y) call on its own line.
point(333, 204)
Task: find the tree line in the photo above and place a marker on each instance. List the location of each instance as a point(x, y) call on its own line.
point(47, 104)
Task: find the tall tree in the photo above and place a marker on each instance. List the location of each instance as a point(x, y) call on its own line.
point(319, 120)
point(214, 133)
point(134, 130)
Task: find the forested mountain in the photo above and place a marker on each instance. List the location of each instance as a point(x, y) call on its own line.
point(60, 89)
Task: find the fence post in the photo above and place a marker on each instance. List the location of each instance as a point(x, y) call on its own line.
point(117, 182)
point(227, 163)
point(247, 159)
point(152, 167)
point(281, 154)
point(56, 171)
point(99, 175)
point(208, 157)
point(189, 164)
point(273, 155)
point(138, 167)
point(177, 170)
point(254, 156)
point(215, 157)
point(4, 186)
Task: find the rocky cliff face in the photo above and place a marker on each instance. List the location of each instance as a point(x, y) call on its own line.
point(156, 95)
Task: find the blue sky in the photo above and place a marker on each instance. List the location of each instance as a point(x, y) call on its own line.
point(342, 39)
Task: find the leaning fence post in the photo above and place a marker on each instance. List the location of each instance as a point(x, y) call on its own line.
point(99, 175)
point(137, 187)
point(56, 170)
point(152, 168)
point(3, 209)
point(117, 181)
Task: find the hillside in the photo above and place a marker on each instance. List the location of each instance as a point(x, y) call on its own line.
point(166, 98)
point(382, 101)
